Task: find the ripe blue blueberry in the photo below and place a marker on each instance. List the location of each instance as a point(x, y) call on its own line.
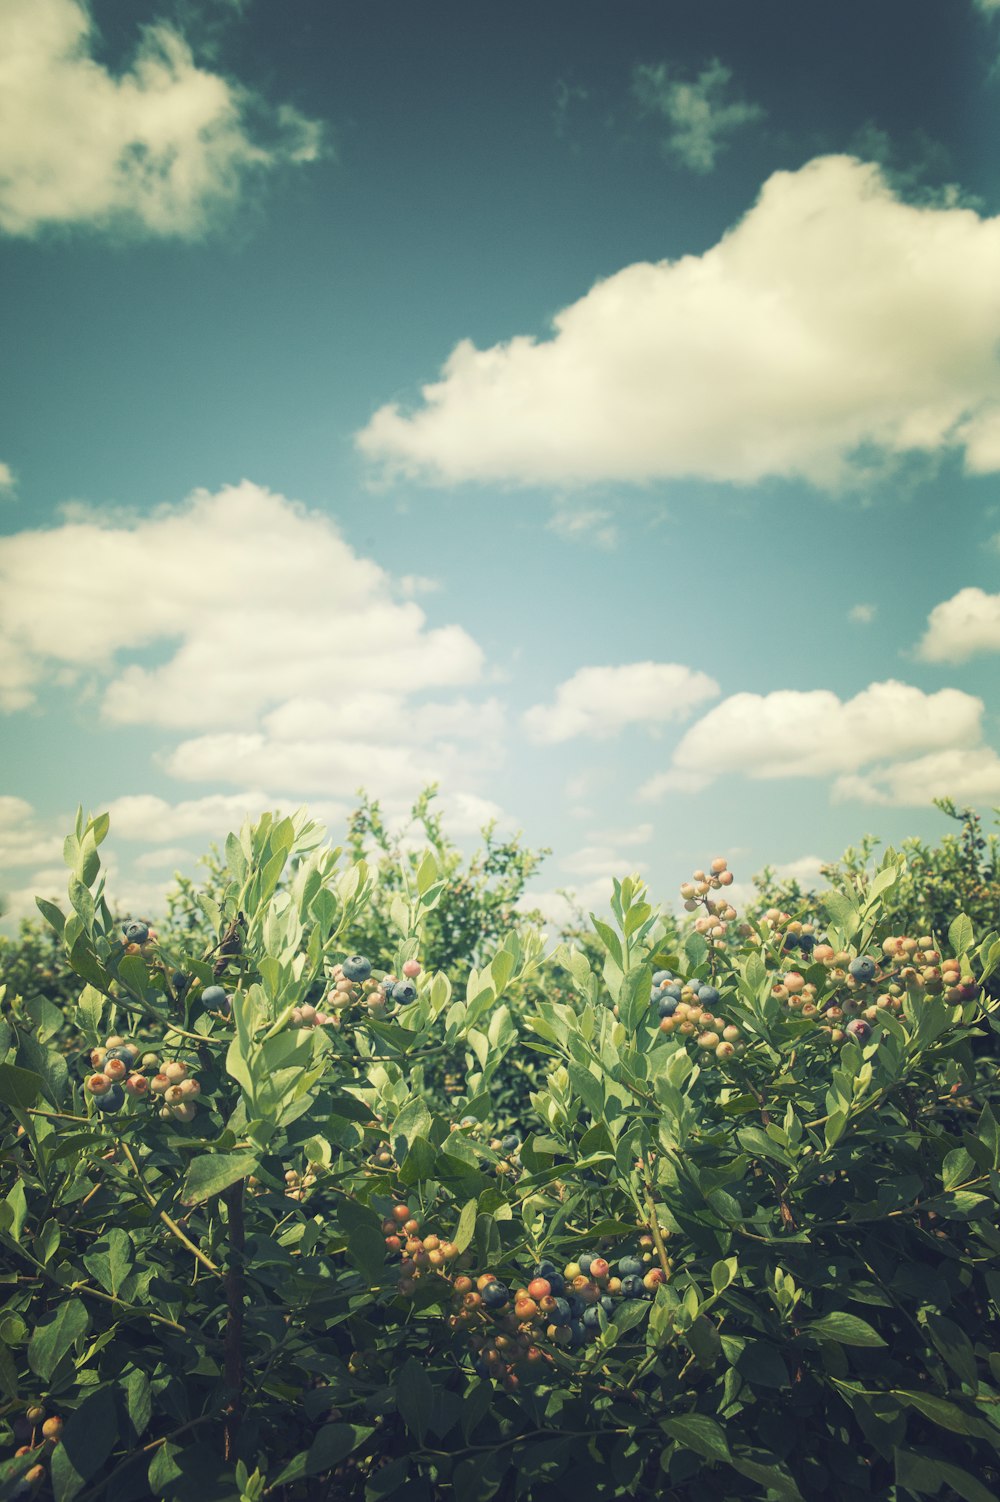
point(510, 1143)
point(607, 1303)
point(124, 1053)
point(562, 1313)
point(180, 981)
point(111, 1100)
point(674, 989)
point(629, 1267)
point(496, 1295)
point(135, 932)
point(577, 1333)
point(403, 992)
point(807, 943)
point(544, 1269)
point(214, 996)
point(708, 995)
point(662, 976)
point(655, 995)
point(668, 1006)
point(862, 968)
point(356, 967)
point(632, 1286)
point(591, 1318)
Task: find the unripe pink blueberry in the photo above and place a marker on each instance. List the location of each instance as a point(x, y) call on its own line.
point(185, 1111)
point(159, 1083)
point(175, 1070)
point(411, 969)
point(98, 1084)
point(115, 1069)
point(97, 1056)
point(137, 1084)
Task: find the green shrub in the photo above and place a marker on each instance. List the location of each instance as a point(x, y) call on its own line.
point(729, 1248)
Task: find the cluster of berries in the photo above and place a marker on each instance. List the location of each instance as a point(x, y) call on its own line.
point(419, 1255)
point(509, 1331)
point(118, 1074)
point(39, 1436)
point(713, 923)
point(353, 981)
point(299, 1184)
point(685, 1007)
point(921, 970)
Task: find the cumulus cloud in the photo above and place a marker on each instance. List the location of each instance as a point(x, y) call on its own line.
point(602, 701)
point(254, 600)
point(969, 775)
point(299, 664)
point(157, 149)
point(698, 114)
point(8, 481)
point(833, 326)
point(960, 627)
point(862, 615)
point(790, 733)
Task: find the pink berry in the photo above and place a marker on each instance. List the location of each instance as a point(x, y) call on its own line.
point(412, 969)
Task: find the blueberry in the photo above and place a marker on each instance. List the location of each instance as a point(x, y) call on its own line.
point(668, 1006)
point(562, 1313)
point(496, 1295)
point(576, 1305)
point(584, 1260)
point(629, 1267)
point(356, 967)
point(403, 992)
point(111, 1100)
point(791, 941)
point(214, 996)
point(510, 1143)
point(674, 989)
point(607, 1303)
point(708, 996)
point(135, 932)
point(859, 1030)
point(662, 976)
point(862, 969)
point(807, 943)
point(180, 981)
point(468, 1121)
point(591, 1318)
point(577, 1332)
point(632, 1286)
point(655, 995)
point(124, 1053)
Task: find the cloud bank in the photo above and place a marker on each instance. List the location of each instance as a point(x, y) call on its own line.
point(835, 326)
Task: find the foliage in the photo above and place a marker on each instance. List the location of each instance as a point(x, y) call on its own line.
point(282, 1269)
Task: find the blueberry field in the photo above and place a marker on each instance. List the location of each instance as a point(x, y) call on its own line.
point(339, 1179)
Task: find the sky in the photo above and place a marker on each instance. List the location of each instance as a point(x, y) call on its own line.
point(593, 409)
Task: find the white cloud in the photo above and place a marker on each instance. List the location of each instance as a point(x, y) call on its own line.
point(157, 149)
point(154, 820)
point(256, 601)
point(790, 733)
point(8, 481)
point(602, 861)
point(590, 524)
point(960, 627)
point(833, 327)
point(698, 114)
point(969, 775)
point(862, 615)
point(601, 701)
point(173, 857)
point(560, 907)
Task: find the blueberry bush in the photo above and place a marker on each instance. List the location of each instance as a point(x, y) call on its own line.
point(728, 1247)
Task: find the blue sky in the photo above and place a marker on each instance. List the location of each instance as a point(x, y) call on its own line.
point(596, 410)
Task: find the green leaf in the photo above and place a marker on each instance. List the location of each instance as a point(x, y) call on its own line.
point(466, 1225)
point(110, 1260)
point(19, 1088)
point(415, 1398)
point(53, 1338)
point(697, 1432)
point(848, 1329)
point(85, 1444)
point(332, 1444)
point(774, 1478)
point(960, 935)
point(139, 1400)
point(52, 915)
point(210, 1173)
point(952, 1343)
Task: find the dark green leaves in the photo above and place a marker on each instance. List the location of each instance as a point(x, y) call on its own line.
point(85, 1444)
point(19, 1088)
point(848, 1329)
point(55, 1335)
point(212, 1173)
